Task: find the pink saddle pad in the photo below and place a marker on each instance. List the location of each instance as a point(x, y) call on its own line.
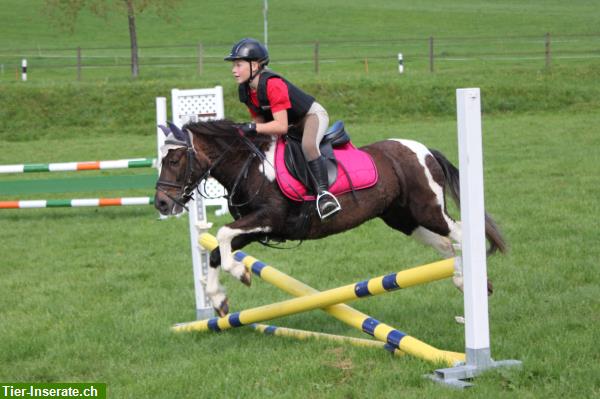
point(358, 164)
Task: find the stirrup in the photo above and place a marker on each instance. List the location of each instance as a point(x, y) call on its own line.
point(332, 212)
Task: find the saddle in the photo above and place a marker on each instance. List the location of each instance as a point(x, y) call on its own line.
point(296, 163)
point(348, 168)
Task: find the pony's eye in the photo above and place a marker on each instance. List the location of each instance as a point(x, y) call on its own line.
point(173, 162)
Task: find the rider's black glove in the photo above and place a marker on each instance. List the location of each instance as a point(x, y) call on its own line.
point(249, 129)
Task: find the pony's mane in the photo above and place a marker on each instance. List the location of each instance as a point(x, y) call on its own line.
point(222, 128)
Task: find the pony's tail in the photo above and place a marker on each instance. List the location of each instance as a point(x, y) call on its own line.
point(492, 232)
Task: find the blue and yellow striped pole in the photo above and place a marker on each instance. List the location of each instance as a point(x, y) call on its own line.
point(345, 313)
point(303, 334)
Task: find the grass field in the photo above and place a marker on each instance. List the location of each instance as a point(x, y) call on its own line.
point(90, 294)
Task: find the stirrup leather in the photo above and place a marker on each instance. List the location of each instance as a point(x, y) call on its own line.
point(332, 197)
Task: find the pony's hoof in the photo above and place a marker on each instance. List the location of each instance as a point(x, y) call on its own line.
point(458, 283)
point(246, 278)
point(223, 309)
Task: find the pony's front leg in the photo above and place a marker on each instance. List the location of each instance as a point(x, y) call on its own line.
point(225, 236)
point(216, 292)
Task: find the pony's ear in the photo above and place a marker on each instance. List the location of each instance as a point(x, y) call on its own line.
point(164, 129)
point(189, 138)
point(179, 135)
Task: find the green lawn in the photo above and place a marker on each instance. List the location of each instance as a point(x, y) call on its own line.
point(89, 294)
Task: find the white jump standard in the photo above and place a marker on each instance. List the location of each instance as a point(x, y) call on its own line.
point(477, 332)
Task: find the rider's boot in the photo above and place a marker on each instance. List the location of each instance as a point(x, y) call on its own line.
point(327, 204)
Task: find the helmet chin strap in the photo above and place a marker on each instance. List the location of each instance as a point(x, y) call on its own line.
point(252, 76)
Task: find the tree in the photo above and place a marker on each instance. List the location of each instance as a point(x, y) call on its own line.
point(65, 12)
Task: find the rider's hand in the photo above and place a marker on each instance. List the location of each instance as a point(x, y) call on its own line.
point(249, 129)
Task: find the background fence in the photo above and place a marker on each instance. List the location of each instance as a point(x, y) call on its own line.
point(429, 54)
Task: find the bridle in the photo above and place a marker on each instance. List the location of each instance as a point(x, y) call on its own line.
point(186, 189)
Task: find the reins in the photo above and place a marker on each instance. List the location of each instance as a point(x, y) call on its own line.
point(255, 152)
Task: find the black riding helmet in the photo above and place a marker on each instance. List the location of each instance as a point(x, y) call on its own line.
point(249, 50)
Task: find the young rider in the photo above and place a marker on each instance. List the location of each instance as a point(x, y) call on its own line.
point(274, 104)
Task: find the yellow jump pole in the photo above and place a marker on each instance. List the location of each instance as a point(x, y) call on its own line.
point(362, 322)
point(350, 316)
point(303, 334)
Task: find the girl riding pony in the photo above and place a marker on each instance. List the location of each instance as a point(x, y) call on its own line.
point(275, 104)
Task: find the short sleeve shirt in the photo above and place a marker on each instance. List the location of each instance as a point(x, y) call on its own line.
point(277, 94)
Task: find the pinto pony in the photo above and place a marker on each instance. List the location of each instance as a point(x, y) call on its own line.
point(409, 195)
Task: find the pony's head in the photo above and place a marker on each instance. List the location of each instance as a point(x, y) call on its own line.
point(217, 148)
point(181, 171)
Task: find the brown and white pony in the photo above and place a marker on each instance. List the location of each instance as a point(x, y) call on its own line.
point(409, 195)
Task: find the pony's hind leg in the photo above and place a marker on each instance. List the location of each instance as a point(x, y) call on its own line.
point(444, 246)
point(440, 243)
point(447, 246)
point(401, 219)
